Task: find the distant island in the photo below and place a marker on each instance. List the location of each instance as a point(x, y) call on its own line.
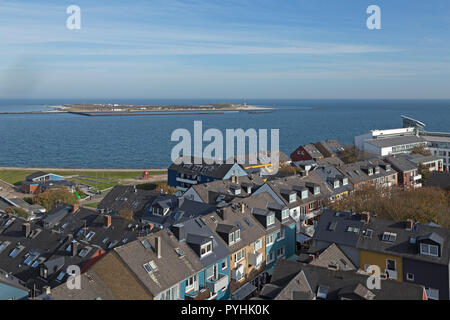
point(122, 108)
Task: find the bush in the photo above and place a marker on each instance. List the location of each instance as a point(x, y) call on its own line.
point(50, 197)
point(423, 204)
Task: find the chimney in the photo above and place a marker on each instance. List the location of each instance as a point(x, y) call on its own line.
point(26, 229)
point(47, 290)
point(179, 231)
point(409, 224)
point(75, 207)
point(158, 246)
point(311, 258)
point(74, 249)
point(242, 207)
point(135, 190)
point(107, 220)
point(365, 216)
point(222, 213)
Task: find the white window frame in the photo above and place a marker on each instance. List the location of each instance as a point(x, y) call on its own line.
point(205, 246)
point(292, 198)
point(257, 245)
point(283, 254)
point(192, 286)
point(269, 260)
point(428, 247)
point(387, 265)
point(270, 220)
point(224, 262)
point(410, 276)
point(284, 214)
point(238, 259)
point(282, 234)
point(432, 293)
point(270, 237)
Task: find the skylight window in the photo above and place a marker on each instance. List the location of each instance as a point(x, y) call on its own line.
point(90, 235)
point(61, 276)
point(83, 252)
point(150, 267)
point(14, 253)
point(322, 292)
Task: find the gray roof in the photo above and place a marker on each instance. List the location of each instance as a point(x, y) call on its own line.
point(401, 162)
point(329, 174)
point(333, 256)
point(332, 146)
point(402, 246)
point(35, 175)
point(180, 210)
point(171, 267)
point(294, 277)
point(397, 141)
point(127, 197)
point(439, 180)
point(339, 222)
point(312, 150)
point(216, 171)
point(357, 172)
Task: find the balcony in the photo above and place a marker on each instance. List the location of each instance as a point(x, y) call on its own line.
point(202, 294)
point(308, 230)
point(310, 215)
point(216, 284)
point(255, 259)
point(238, 272)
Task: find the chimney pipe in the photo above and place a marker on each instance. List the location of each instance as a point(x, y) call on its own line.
point(26, 229)
point(365, 216)
point(242, 207)
point(74, 249)
point(409, 224)
point(107, 220)
point(158, 246)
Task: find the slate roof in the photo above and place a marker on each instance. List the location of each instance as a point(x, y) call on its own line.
point(222, 188)
point(333, 256)
point(297, 182)
point(127, 197)
point(439, 180)
point(339, 222)
point(312, 150)
point(302, 281)
point(401, 246)
point(401, 162)
point(50, 245)
point(180, 210)
point(135, 255)
point(216, 171)
point(93, 288)
point(329, 175)
point(351, 170)
point(332, 146)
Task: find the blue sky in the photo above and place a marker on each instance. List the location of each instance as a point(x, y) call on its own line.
point(225, 49)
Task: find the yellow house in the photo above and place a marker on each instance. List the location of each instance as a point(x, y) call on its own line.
point(388, 264)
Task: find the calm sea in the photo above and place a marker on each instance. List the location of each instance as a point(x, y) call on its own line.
point(71, 141)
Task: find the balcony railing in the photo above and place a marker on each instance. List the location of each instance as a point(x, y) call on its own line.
point(218, 283)
point(308, 230)
point(202, 294)
point(255, 259)
point(310, 215)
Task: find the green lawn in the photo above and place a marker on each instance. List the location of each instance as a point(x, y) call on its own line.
point(92, 205)
point(92, 178)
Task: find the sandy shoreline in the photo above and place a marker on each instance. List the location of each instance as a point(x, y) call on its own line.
point(78, 169)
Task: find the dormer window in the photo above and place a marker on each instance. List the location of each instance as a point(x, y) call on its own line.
point(270, 220)
point(389, 237)
point(284, 214)
point(292, 197)
point(377, 170)
point(336, 184)
point(388, 167)
point(205, 249)
point(429, 250)
point(304, 194)
point(345, 181)
point(317, 190)
point(370, 171)
point(234, 237)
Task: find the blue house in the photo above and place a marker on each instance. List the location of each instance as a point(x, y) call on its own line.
point(11, 288)
point(213, 282)
point(183, 176)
